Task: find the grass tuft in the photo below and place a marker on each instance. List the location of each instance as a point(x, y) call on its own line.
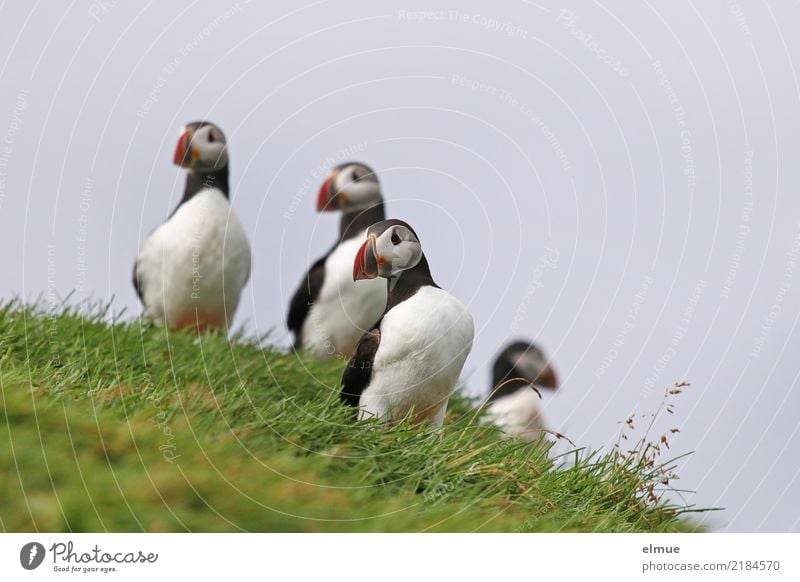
point(121, 426)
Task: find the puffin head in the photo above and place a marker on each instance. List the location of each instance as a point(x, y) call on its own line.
point(201, 148)
point(349, 187)
point(524, 360)
point(391, 247)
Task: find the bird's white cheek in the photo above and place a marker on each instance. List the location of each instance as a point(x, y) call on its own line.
point(404, 256)
point(360, 194)
point(340, 185)
point(214, 159)
point(400, 258)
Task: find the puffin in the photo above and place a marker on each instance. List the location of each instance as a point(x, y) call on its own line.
point(408, 363)
point(329, 313)
point(190, 270)
point(513, 405)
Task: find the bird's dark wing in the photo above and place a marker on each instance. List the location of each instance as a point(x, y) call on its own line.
point(138, 283)
point(304, 298)
point(358, 373)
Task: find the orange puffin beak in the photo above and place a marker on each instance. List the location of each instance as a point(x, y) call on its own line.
point(366, 264)
point(322, 197)
point(183, 157)
point(327, 199)
point(547, 378)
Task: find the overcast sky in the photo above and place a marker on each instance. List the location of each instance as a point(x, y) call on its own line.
point(619, 182)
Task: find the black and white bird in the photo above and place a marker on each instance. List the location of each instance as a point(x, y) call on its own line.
point(329, 313)
point(191, 269)
point(410, 360)
point(513, 405)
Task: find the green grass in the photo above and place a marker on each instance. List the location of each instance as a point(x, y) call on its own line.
point(127, 427)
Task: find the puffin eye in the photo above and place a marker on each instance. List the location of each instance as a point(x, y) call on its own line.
point(210, 137)
point(395, 238)
point(356, 176)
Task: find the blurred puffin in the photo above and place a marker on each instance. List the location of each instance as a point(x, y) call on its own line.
point(514, 405)
point(191, 269)
point(329, 312)
point(410, 360)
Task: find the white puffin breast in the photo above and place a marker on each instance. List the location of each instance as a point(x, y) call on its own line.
point(517, 414)
point(344, 309)
point(425, 341)
point(196, 263)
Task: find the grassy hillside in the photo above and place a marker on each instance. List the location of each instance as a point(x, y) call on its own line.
point(128, 427)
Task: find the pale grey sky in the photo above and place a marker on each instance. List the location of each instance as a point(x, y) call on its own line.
point(618, 181)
